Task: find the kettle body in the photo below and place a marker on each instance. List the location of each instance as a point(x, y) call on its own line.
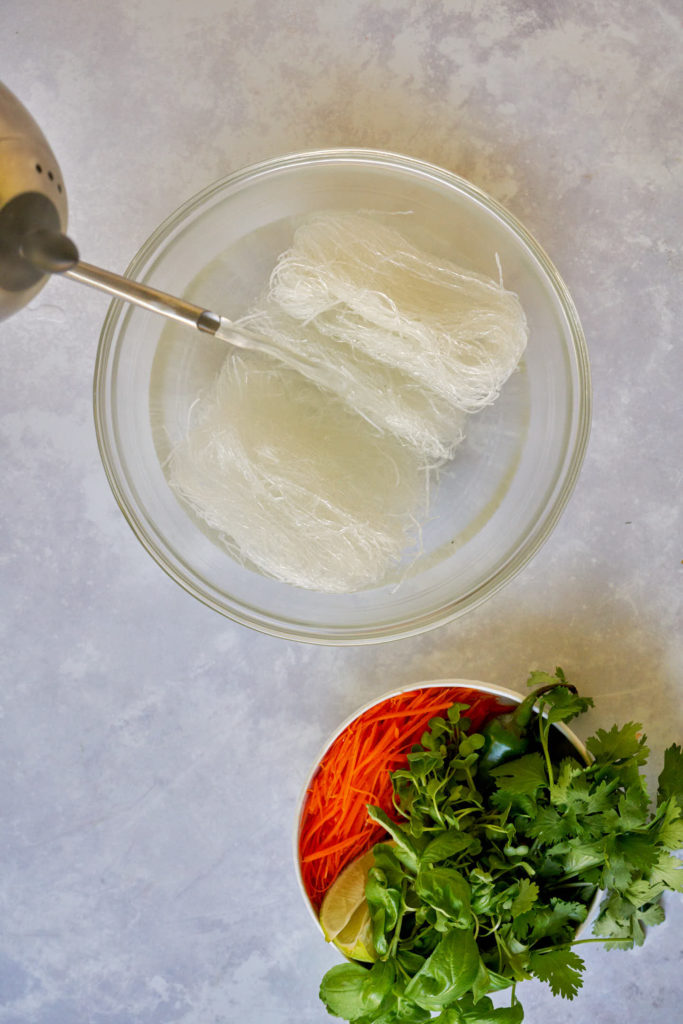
point(32, 197)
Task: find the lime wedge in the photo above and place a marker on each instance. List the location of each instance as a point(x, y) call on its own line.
point(355, 938)
point(344, 914)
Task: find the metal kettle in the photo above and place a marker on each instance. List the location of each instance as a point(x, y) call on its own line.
point(32, 198)
point(33, 243)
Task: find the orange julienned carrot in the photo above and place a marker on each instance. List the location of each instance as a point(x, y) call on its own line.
point(335, 827)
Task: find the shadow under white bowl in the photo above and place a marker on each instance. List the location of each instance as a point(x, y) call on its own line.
point(496, 502)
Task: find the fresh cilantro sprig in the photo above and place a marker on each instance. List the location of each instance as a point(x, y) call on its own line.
point(486, 876)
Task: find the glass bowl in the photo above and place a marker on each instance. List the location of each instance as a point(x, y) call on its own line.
point(510, 479)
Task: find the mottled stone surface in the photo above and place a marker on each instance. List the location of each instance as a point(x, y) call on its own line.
point(152, 753)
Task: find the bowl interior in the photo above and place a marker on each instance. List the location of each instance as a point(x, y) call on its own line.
point(495, 502)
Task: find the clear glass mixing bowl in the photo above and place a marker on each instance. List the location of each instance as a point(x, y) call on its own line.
point(496, 502)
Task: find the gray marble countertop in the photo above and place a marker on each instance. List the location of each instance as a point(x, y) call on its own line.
point(152, 753)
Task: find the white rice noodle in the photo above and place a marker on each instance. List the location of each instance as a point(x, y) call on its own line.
point(458, 334)
point(323, 487)
point(295, 483)
point(387, 396)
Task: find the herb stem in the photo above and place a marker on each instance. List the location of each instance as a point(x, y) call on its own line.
point(543, 732)
point(399, 920)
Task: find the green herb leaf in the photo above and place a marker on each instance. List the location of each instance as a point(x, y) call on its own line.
point(642, 891)
point(671, 777)
point(623, 923)
point(579, 856)
point(384, 902)
point(351, 991)
point(448, 844)
point(668, 870)
point(448, 973)
point(525, 898)
point(556, 921)
point(538, 678)
point(633, 809)
point(560, 968)
point(470, 744)
point(446, 890)
point(619, 744)
point(405, 850)
point(454, 712)
point(549, 825)
point(670, 825)
point(471, 1011)
point(561, 705)
point(525, 775)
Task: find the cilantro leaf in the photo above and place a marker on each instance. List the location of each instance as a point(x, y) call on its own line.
point(579, 855)
point(619, 744)
point(623, 923)
point(549, 825)
point(671, 777)
point(668, 870)
point(562, 705)
point(538, 678)
point(633, 808)
point(641, 891)
point(557, 921)
point(525, 898)
point(602, 796)
point(638, 850)
point(525, 775)
point(560, 968)
point(570, 776)
point(670, 826)
point(652, 914)
point(615, 922)
point(505, 801)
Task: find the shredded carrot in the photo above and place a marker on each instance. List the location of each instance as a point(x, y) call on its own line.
point(335, 827)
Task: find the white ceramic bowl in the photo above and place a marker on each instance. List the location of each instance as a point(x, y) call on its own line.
point(509, 481)
point(500, 696)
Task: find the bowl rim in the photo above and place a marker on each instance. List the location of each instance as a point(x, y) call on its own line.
point(400, 626)
point(506, 694)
